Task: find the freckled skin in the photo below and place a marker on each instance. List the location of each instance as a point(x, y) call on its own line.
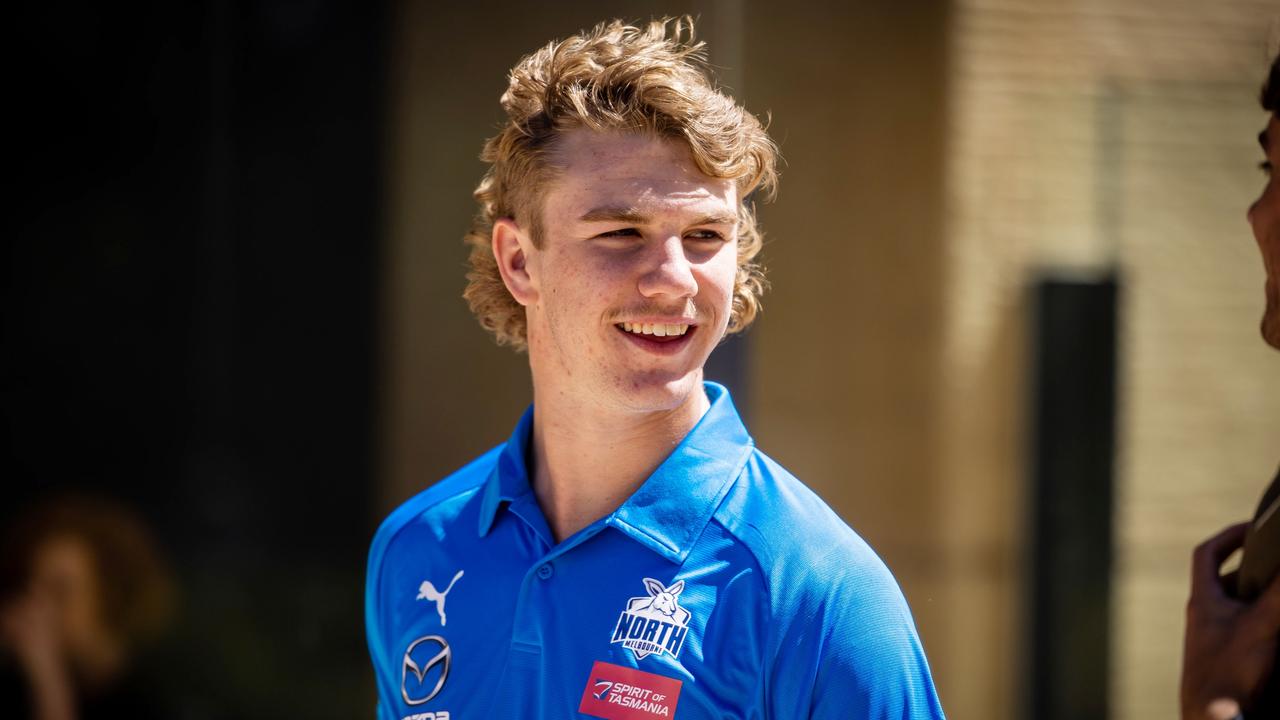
point(1264, 217)
point(587, 283)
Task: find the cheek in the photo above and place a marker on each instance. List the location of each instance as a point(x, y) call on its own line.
point(72, 593)
point(720, 273)
point(590, 281)
point(576, 288)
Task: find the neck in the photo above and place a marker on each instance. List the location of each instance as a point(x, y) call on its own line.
point(587, 460)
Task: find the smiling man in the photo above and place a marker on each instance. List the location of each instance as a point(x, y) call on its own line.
point(628, 552)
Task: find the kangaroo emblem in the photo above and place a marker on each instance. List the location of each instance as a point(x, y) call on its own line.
point(654, 623)
point(427, 591)
point(661, 603)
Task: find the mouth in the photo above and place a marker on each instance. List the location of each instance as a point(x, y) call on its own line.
point(658, 338)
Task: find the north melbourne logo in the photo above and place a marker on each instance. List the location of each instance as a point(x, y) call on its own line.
point(654, 624)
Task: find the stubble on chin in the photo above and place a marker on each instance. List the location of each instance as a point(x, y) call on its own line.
point(650, 393)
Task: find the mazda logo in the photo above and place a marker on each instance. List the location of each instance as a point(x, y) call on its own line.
point(442, 658)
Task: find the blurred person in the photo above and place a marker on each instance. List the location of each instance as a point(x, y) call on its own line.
point(1231, 641)
point(628, 552)
point(83, 593)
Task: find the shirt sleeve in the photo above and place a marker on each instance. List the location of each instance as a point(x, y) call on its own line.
point(849, 650)
point(376, 632)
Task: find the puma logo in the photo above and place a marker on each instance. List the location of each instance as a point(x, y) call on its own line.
point(427, 591)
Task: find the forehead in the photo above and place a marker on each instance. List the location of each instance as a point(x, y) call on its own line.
point(650, 174)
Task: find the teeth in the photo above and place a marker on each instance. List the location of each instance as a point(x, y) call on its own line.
point(657, 330)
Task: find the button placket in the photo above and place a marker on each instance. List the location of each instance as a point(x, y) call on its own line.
point(535, 593)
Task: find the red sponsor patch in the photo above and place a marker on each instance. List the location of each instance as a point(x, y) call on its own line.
point(615, 692)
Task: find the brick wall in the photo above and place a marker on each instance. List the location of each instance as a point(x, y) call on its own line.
point(1086, 135)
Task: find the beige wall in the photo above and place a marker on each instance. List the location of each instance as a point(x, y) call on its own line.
point(1083, 134)
point(845, 357)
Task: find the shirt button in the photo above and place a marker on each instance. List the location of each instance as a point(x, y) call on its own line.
point(545, 571)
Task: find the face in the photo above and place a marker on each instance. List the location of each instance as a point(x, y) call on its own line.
point(632, 286)
point(1264, 216)
point(63, 577)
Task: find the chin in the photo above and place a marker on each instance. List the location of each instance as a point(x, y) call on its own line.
point(1271, 329)
point(1271, 318)
point(654, 392)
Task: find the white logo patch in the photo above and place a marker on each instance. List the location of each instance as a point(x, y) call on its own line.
point(654, 623)
point(427, 591)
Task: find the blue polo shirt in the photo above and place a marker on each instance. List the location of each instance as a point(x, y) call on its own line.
point(723, 588)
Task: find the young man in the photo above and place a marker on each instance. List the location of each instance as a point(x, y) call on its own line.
point(628, 552)
point(1231, 644)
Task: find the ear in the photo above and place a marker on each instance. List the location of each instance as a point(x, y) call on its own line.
point(653, 586)
point(512, 247)
point(675, 589)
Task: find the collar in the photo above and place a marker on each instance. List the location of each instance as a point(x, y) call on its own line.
point(669, 511)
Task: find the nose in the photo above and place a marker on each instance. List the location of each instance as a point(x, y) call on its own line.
point(1253, 207)
point(671, 273)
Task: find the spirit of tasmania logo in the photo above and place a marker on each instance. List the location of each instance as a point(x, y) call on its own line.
point(655, 623)
point(615, 692)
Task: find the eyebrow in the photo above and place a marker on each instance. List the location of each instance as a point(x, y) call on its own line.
point(1264, 140)
point(613, 213)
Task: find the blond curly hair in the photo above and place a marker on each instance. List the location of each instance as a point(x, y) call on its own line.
point(614, 77)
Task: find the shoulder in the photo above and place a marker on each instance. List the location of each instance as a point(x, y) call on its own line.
point(432, 512)
point(838, 619)
point(805, 550)
point(439, 504)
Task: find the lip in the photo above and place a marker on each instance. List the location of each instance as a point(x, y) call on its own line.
point(664, 348)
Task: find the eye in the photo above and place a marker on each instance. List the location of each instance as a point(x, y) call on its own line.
point(705, 236)
point(1265, 166)
point(620, 233)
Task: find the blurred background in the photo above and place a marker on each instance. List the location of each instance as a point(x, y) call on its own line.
point(1012, 336)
